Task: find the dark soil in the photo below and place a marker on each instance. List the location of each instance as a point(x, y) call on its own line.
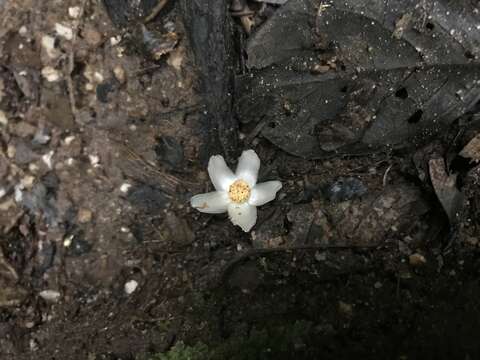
point(109, 112)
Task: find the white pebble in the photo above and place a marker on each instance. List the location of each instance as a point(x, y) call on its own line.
point(131, 286)
point(49, 295)
point(18, 194)
point(33, 167)
point(51, 74)
point(3, 118)
point(27, 181)
point(115, 40)
point(98, 77)
point(69, 139)
point(47, 159)
point(119, 73)
point(74, 12)
point(48, 43)
point(22, 31)
point(125, 187)
point(68, 241)
point(2, 192)
point(64, 31)
point(94, 160)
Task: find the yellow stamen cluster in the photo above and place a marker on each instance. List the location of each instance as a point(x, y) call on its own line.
point(239, 191)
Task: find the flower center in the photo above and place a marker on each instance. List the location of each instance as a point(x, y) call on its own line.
point(239, 191)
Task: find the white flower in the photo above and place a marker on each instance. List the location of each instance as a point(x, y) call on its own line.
point(238, 193)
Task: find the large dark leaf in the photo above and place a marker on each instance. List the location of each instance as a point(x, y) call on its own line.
point(392, 73)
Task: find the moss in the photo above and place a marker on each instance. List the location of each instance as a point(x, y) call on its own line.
point(180, 351)
point(280, 342)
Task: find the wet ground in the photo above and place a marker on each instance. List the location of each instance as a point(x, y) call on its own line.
point(108, 115)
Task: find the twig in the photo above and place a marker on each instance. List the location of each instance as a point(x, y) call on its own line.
point(258, 128)
point(156, 10)
point(385, 176)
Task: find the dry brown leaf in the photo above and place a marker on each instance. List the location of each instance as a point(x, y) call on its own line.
point(472, 149)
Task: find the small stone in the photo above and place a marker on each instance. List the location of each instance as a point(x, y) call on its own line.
point(119, 73)
point(320, 69)
point(50, 295)
point(92, 37)
point(51, 74)
point(27, 181)
point(68, 241)
point(40, 137)
point(3, 118)
point(84, 216)
point(94, 160)
point(18, 194)
point(64, 31)
point(69, 139)
point(74, 12)
point(115, 40)
point(33, 167)
point(417, 259)
point(130, 286)
point(23, 31)
point(48, 44)
point(24, 154)
point(6, 205)
point(11, 151)
point(29, 324)
point(377, 285)
point(98, 77)
point(125, 187)
point(47, 159)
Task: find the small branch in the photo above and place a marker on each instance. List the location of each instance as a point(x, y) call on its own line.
point(156, 10)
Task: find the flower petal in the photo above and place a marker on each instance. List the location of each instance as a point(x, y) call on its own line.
point(243, 215)
point(248, 166)
point(215, 202)
point(220, 174)
point(264, 192)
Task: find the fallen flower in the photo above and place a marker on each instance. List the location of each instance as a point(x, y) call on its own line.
point(238, 193)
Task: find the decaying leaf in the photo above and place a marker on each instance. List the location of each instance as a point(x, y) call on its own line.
point(472, 149)
point(384, 87)
point(446, 189)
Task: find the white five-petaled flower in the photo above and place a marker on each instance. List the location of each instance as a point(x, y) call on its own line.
point(238, 193)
